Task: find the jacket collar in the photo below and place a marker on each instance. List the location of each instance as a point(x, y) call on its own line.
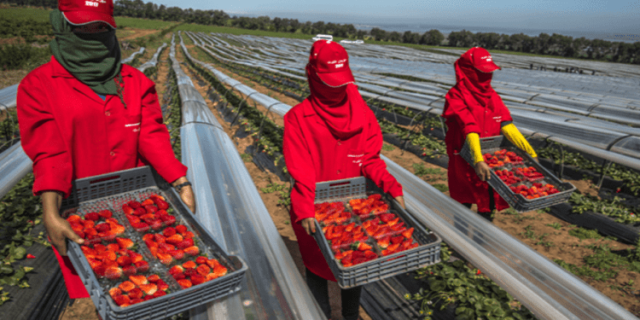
point(60, 71)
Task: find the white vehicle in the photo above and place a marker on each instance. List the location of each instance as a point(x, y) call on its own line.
point(323, 37)
point(352, 42)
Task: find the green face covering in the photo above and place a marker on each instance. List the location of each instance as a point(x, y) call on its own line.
point(94, 59)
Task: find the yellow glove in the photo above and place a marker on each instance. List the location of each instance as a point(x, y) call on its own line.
point(513, 134)
point(473, 139)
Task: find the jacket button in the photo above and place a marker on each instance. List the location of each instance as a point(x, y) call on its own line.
point(107, 113)
point(113, 154)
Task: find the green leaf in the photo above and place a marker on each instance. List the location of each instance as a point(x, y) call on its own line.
point(19, 253)
point(6, 270)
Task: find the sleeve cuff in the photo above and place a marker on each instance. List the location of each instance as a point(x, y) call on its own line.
point(172, 172)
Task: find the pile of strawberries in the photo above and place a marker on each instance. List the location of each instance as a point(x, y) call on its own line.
point(201, 270)
point(115, 259)
point(537, 190)
point(508, 177)
point(95, 227)
point(331, 212)
point(500, 157)
point(368, 207)
point(150, 214)
point(529, 173)
point(138, 289)
point(359, 252)
point(390, 233)
point(340, 235)
point(172, 244)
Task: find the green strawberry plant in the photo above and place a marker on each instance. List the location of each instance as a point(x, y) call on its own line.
point(612, 208)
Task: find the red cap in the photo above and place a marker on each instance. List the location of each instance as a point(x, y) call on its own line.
point(331, 62)
point(80, 12)
point(482, 60)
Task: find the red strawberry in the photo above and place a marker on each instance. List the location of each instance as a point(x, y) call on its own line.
point(149, 289)
point(135, 257)
point(134, 204)
point(92, 216)
point(166, 247)
point(116, 228)
point(140, 211)
point(147, 298)
point(181, 229)
point(165, 258)
point(197, 279)
point(159, 238)
point(151, 208)
point(134, 301)
point(168, 232)
point(124, 261)
point(88, 224)
point(132, 218)
point(184, 283)
point(135, 293)
point(121, 301)
point(113, 247)
point(93, 263)
point(138, 279)
point(114, 292)
point(212, 263)
point(103, 227)
point(192, 251)
point(74, 218)
point(156, 225)
point(105, 214)
point(80, 233)
point(176, 269)
point(168, 219)
point(189, 265)
point(129, 270)
point(125, 243)
point(176, 254)
point(179, 276)
point(384, 242)
point(140, 226)
point(127, 286)
point(188, 235)
point(220, 270)
point(147, 202)
point(127, 209)
point(153, 278)
point(201, 260)
point(113, 273)
point(203, 269)
point(186, 243)
point(210, 276)
point(162, 285)
point(149, 237)
point(175, 239)
point(397, 239)
point(161, 213)
point(142, 266)
point(162, 205)
point(90, 231)
point(190, 272)
point(407, 233)
point(159, 293)
point(362, 246)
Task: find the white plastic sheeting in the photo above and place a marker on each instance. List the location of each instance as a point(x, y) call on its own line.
point(154, 60)
point(133, 56)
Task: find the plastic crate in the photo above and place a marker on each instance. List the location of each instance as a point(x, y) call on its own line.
point(428, 253)
point(517, 201)
point(106, 186)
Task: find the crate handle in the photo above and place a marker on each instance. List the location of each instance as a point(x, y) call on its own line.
point(339, 183)
point(104, 179)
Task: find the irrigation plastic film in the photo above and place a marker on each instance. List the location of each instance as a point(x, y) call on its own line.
point(154, 60)
point(133, 55)
point(544, 287)
point(230, 206)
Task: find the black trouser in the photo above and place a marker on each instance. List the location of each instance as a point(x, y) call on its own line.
point(492, 205)
point(320, 291)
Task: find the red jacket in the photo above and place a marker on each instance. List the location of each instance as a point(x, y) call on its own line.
point(69, 133)
point(313, 154)
point(464, 115)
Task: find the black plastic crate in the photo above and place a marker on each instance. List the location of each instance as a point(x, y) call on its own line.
point(517, 201)
point(426, 254)
point(106, 186)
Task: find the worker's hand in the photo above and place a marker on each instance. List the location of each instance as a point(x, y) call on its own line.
point(483, 171)
point(309, 225)
point(186, 194)
point(58, 229)
point(400, 200)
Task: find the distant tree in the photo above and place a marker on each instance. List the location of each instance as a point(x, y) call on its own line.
point(432, 37)
point(395, 37)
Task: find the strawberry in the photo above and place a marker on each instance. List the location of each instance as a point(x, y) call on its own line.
point(129, 270)
point(408, 233)
point(135, 293)
point(197, 279)
point(189, 265)
point(134, 204)
point(212, 263)
point(140, 211)
point(149, 289)
point(117, 228)
point(138, 279)
point(147, 298)
point(181, 229)
point(362, 246)
point(149, 237)
point(370, 255)
point(210, 276)
point(92, 216)
point(397, 239)
point(156, 225)
point(162, 205)
point(203, 269)
point(124, 261)
point(176, 254)
point(114, 292)
point(88, 224)
point(175, 239)
point(113, 247)
point(168, 232)
point(127, 286)
point(168, 219)
point(107, 236)
point(127, 209)
point(90, 231)
point(166, 247)
point(125, 243)
point(121, 301)
point(132, 219)
point(109, 255)
point(201, 260)
point(79, 233)
point(186, 243)
point(105, 214)
point(93, 263)
point(87, 250)
point(159, 293)
point(164, 258)
point(161, 213)
point(184, 283)
point(176, 269)
point(190, 272)
point(135, 257)
point(393, 247)
point(188, 235)
point(147, 202)
point(153, 278)
point(142, 266)
point(151, 208)
point(103, 227)
point(220, 270)
point(192, 251)
point(159, 238)
point(74, 218)
point(179, 276)
point(134, 301)
point(140, 226)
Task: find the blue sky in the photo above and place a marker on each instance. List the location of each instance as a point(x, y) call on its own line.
point(596, 16)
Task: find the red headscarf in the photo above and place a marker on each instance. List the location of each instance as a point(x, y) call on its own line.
point(338, 107)
point(472, 82)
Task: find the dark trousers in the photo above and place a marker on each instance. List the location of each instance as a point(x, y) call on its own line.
point(320, 291)
point(492, 206)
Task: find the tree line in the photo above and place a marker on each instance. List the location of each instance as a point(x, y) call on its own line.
point(555, 44)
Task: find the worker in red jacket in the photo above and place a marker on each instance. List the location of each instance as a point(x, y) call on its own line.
point(331, 135)
point(473, 110)
point(84, 114)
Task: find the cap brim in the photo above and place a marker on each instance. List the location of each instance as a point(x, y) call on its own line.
point(488, 68)
point(337, 79)
point(79, 18)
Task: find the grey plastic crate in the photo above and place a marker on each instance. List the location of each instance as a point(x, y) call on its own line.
point(112, 184)
point(517, 201)
point(428, 253)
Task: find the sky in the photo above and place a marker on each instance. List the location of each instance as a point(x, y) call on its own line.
point(586, 16)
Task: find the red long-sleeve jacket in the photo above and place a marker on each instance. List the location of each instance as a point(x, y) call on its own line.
point(69, 133)
point(313, 154)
